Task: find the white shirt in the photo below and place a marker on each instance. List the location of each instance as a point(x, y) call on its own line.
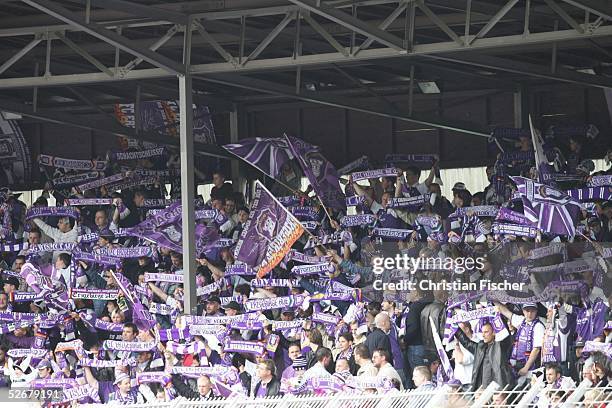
point(388, 371)
point(463, 370)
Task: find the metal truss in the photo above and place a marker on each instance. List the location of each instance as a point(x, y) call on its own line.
point(336, 36)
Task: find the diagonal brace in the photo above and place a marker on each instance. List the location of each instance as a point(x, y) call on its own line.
point(270, 37)
point(566, 17)
point(352, 23)
point(383, 26)
point(94, 61)
point(211, 40)
point(154, 47)
point(9, 63)
point(325, 34)
point(55, 10)
point(494, 20)
point(438, 21)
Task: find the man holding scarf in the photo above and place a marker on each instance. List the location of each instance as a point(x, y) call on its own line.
point(529, 338)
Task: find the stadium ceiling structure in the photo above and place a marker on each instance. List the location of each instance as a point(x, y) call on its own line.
point(71, 61)
point(83, 56)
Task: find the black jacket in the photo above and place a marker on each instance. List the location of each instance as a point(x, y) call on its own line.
point(377, 339)
point(272, 389)
point(502, 373)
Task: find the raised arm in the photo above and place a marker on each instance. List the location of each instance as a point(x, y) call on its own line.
point(158, 292)
point(504, 310)
point(89, 377)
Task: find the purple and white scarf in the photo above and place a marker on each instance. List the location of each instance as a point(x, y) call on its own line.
point(196, 372)
point(80, 392)
point(94, 362)
point(326, 318)
point(239, 269)
point(357, 220)
point(211, 288)
point(476, 314)
point(138, 155)
point(108, 326)
point(205, 214)
point(52, 246)
point(296, 256)
point(506, 214)
point(71, 164)
point(274, 303)
point(274, 283)
point(591, 193)
point(175, 334)
point(479, 211)
point(161, 309)
point(289, 201)
point(195, 347)
point(208, 329)
point(128, 345)
point(160, 377)
point(102, 182)
point(37, 212)
point(88, 201)
point(551, 249)
point(225, 300)
point(215, 320)
point(97, 294)
point(240, 346)
point(119, 252)
point(163, 277)
point(66, 181)
point(314, 269)
point(419, 160)
point(600, 181)
point(354, 201)
point(392, 233)
point(157, 203)
point(338, 237)
point(310, 225)
point(78, 255)
point(20, 353)
point(304, 213)
point(371, 174)
point(518, 230)
point(409, 203)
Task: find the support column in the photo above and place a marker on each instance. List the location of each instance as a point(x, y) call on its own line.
point(187, 178)
point(234, 132)
point(521, 108)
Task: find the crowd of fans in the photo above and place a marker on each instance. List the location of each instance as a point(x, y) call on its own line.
point(67, 321)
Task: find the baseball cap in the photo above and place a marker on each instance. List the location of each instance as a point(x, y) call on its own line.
point(12, 280)
point(107, 234)
point(529, 304)
point(120, 377)
point(214, 299)
point(43, 364)
point(459, 186)
point(233, 305)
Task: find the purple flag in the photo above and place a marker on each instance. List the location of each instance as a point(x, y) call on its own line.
point(320, 172)
point(268, 155)
point(268, 234)
point(552, 210)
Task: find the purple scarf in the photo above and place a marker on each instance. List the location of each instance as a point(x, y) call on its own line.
point(274, 303)
point(371, 174)
point(37, 212)
point(138, 155)
point(88, 201)
point(240, 346)
point(71, 164)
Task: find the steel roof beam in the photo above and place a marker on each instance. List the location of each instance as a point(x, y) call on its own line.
point(106, 35)
point(353, 23)
point(142, 10)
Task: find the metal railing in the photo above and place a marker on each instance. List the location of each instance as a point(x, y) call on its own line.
point(534, 395)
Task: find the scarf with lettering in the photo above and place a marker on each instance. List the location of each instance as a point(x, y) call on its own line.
point(71, 164)
point(37, 212)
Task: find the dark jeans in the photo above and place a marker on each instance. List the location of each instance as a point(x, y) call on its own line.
point(414, 356)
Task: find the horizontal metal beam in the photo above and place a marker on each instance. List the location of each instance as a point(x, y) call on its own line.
point(106, 35)
point(106, 127)
point(314, 97)
point(523, 68)
point(600, 8)
point(142, 10)
point(289, 63)
point(353, 23)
